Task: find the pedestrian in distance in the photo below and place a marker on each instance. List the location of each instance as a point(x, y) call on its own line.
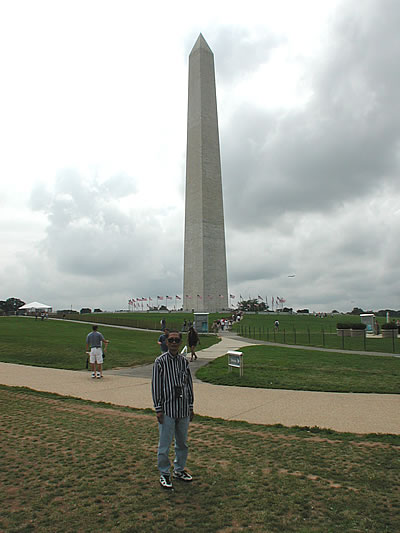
point(94, 341)
point(276, 325)
point(162, 341)
point(193, 340)
point(163, 324)
point(172, 392)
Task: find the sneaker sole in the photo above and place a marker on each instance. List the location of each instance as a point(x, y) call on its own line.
point(165, 487)
point(183, 479)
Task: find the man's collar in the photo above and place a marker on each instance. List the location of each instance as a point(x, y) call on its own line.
point(171, 355)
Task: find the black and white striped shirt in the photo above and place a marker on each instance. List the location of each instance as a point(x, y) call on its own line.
point(172, 386)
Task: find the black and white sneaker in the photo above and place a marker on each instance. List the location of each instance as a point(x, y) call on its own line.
point(165, 481)
point(182, 475)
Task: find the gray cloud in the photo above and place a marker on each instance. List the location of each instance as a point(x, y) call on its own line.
point(241, 51)
point(98, 249)
point(311, 191)
point(344, 141)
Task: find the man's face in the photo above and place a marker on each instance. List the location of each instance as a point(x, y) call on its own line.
point(174, 342)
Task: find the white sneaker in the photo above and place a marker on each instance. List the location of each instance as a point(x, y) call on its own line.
point(93, 375)
point(98, 375)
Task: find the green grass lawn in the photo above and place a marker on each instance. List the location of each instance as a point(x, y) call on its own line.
point(61, 344)
point(308, 330)
point(302, 322)
point(174, 320)
point(291, 368)
point(69, 465)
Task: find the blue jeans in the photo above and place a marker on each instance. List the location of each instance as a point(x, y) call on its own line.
point(170, 427)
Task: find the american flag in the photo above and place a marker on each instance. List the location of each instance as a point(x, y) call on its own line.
point(231, 296)
point(178, 297)
point(169, 297)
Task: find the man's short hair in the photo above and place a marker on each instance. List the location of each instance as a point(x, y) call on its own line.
point(95, 327)
point(176, 331)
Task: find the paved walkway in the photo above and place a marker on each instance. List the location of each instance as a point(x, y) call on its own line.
point(357, 413)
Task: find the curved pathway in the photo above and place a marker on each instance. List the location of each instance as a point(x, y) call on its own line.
point(356, 413)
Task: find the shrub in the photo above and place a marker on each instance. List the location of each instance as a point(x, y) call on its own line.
point(345, 325)
point(389, 325)
point(358, 326)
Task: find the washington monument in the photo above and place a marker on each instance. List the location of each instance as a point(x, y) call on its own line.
point(205, 280)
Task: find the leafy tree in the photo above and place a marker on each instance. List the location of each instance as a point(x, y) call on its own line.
point(11, 304)
point(356, 311)
point(252, 305)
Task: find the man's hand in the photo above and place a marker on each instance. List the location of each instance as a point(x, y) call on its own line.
point(191, 415)
point(160, 418)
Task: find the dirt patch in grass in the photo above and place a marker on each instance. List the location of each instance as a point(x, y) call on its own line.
point(71, 465)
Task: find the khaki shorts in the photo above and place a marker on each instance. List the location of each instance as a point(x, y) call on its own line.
point(96, 355)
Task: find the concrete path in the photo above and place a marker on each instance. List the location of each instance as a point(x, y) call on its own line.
point(357, 413)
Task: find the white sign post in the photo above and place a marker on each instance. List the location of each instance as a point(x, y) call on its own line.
point(235, 360)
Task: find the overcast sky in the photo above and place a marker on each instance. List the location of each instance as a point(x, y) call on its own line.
point(93, 103)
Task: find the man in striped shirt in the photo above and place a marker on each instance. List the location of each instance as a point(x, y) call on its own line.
point(172, 391)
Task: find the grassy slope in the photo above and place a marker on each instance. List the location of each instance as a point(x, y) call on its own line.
point(308, 330)
point(143, 320)
point(61, 344)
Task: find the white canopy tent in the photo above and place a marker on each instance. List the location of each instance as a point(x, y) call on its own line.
point(35, 306)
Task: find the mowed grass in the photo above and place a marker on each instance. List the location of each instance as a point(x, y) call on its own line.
point(174, 320)
point(62, 344)
point(70, 465)
point(290, 368)
point(302, 322)
point(309, 330)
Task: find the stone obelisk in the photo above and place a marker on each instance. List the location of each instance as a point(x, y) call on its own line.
point(205, 279)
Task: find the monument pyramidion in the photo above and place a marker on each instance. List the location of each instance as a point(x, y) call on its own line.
point(205, 277)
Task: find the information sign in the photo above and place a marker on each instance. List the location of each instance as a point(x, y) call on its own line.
point(235, 360)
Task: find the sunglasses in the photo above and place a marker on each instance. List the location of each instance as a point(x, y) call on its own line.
point(175, 340)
